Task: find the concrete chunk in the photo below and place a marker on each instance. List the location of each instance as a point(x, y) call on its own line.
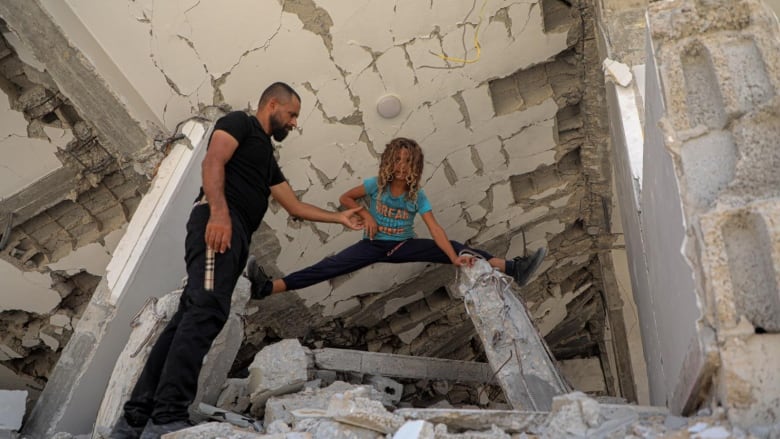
point(291, 408)
point(213, 430)
point(235, 395)
point(415, 430)
point(328, 429)
point(12, 406)
point(511, 421)
point(352, 408)
point(393, 390)
point(277, 369)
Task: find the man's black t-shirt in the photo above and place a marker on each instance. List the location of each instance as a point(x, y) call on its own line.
point(251, 171)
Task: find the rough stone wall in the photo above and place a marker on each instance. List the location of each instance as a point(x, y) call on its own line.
point(90, 197)
point(719, 65)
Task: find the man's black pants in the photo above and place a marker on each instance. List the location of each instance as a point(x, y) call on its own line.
point(168, 383)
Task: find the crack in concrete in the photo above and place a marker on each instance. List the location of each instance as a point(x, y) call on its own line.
point(410, 64)
point(476, 160)
point(449, 173)
point(464, 109)
point(314, 18)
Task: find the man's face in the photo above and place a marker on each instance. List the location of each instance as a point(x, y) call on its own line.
point(284, 118)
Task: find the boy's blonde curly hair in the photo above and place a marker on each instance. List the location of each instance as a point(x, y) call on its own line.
point(387, 164)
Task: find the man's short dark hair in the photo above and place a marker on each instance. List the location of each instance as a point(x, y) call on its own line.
point(279, 90)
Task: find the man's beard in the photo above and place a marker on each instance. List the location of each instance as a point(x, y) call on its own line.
point(278, 131)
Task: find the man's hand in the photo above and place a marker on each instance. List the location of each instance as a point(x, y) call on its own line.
point(349, 218)
point(218, 232)
point(464, 261)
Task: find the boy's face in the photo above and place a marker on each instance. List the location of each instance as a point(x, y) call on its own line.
point(403, 165)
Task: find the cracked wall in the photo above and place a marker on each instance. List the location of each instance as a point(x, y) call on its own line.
point(50, 260)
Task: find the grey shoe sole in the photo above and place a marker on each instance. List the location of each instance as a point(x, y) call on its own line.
point(257, 278)
point(536, 261)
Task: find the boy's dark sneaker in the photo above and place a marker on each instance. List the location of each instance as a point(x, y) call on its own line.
point(123, 430)
point(525, 267)
point(257, 279)
point(154, 431)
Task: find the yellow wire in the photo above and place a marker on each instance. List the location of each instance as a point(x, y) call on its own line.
point(476, 43)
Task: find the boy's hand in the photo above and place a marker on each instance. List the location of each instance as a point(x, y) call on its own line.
point(464, 261)
point(370, 225)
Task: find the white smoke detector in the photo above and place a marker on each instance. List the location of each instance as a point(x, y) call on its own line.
point(388, 106)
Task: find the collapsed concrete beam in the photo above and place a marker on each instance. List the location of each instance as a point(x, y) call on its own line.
point(77, 77)
point(140, 268)
point(147, 327)
point(401, 366)
point(515, 350)
point(38, 197)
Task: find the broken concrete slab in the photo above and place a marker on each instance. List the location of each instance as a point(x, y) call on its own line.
point(352, 407)
point(516, 351)
point(147, 325)
point(217, 414)
point(510, 421)
point(401, 366)
point(234, 395)
point(277, 369)
point(223, 350)
point(415, 430)
point(572, 416)
point(392, 389)
point(320, 428)
point(292, 408)
point(441, 432)
point(12, 408)
point(213, 430)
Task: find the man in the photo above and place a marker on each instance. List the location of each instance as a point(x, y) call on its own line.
point(239, 173)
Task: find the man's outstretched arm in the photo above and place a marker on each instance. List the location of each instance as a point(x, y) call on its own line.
point(285, 196)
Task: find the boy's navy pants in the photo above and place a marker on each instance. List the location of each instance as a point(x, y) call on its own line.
point(367, 252)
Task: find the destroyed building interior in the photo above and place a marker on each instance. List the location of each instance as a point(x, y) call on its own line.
point(637, 141)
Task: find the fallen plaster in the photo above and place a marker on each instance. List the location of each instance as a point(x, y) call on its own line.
point(25, 159)
point(26, 291)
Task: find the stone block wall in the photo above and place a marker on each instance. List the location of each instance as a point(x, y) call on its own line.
point(720, 68)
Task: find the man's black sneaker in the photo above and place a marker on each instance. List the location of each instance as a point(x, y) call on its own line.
point(123, 430)
point(525, 267)
point(257, 279)
point(154, 431)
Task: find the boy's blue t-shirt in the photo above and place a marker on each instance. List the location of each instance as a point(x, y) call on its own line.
point(394, 215)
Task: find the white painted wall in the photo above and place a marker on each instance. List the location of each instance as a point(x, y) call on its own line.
point(668, 308)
